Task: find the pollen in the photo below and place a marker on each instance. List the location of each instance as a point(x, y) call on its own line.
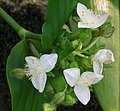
point(92, 22)
point(40, 73)
point(26, 65)
point(98, 17)
point(82, 13)
point(26, 74)
point(38, 65)
point(32, 60)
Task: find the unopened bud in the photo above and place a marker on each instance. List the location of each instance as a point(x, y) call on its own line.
point(107, 30)
point(18, 73)
point(58, 98)
point(77, 44)
point(49, 107)
point(69, 100)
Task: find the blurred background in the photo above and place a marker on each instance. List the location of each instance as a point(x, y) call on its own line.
point(30, 14)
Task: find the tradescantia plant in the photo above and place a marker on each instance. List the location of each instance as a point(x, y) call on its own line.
point(59, 66)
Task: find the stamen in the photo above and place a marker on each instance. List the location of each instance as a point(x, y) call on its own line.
point(82, 13)
point(38, 65)
point(99, 17)
point(26, 74)
point(40, 73)
point(32, 60)
point(26, 65)
point(92, 22)
point(87, 23)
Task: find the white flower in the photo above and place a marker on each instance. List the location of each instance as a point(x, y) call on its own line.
point(88, 18)
point(81, 83)
point(37, 69)
point(103, 56)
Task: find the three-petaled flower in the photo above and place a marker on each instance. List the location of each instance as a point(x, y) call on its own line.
point(103, 56)
point(88, 18)
point(81, 83)
point(37, 69)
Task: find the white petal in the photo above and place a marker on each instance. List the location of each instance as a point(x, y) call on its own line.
point(72, 75)
point(81, 9)
point(83, 25)
point(100, 21)
point(104, 56)
point(48, 61)
point(91, 77)
point(97, 67)
point(31, 61)
point(83, 93)
point(39, 81)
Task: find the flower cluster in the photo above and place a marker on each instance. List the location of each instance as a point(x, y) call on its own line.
point(37, 68)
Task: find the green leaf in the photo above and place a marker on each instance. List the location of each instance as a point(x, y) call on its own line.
point(67, 48)
point(107, 90)
point(24, 96)
point(58, 13)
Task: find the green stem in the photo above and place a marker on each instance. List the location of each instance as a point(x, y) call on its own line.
point(33, 49)
point(91, 44)
point(31, 35)
point(23, 33)
point(10, 21)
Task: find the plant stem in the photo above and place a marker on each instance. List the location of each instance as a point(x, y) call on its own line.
point(93, 42)
point(10, 21)
point(23, 33)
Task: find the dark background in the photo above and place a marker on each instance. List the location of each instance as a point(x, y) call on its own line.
point(31, 17)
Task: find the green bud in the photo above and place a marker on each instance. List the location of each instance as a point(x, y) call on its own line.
point(64, 64)
point(69, 100)
point(73, 64)
point(77, 44)
point(18, 73)
point(107, 30)
point(49, 107)
point(66, 28)
point(58, 98)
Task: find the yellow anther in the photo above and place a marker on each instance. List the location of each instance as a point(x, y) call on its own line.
point(26, 74)
point(87, 23)
point(40, 73)
point(98, 17)
point(32, 76)
point(32, 60)
point(38, 64)
point(92, 22)
point(82, 13)
point(26, 65)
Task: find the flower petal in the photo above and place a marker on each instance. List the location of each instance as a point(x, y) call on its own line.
point(83, 25)
point(100, 20)
point(97, 67)
point(83, 93)
point(31, 61)
point(48, 61)
point(82, 11)
point(91, 77)
point(39, 81)
point(72, 75)
point(104, 56)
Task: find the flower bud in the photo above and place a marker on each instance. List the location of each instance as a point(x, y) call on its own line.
point(58, 98)
point(107, 30)
point(49, 107)
point(18, 73)
point(69, 100)
point(77, 44)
